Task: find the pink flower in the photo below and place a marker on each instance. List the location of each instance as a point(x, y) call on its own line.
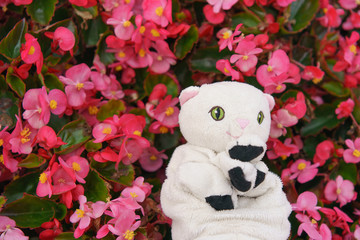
point(312, 73)
point(44, 187)
point(21, 138)
point(138, 191)
point(308, 226)
point(352, 155)
point(22, 2)
point(167, 113)
point(281, 119)
point(352, 22)
point(307, 202)
point(158, 11)
point(162, 58)
point(83, 3)
point(123, 28)
point(357, 232)
point(63, 179)
point(77, 81)
point(279, 149)
point(4, 138)
point(151, 160)
point(62, 38)
point(46, 137)
point(31, 52)
point(284, 3)
point(226, 37)
point(303, 170)
point(332, 16)
point(79, 165)
point(324, 151)
point(345, 108)
point(211, 16)
point(348, 4)
point(37, 110)
point(245, 58)
point(9, 231)
point(296, 107)
point(104, 131)
point(221, 4)
point(99, 78)
point(223, 65)
point(84, 213)
point(340, 190)
point(7, 159)
point(131, 151)
point(114, 89)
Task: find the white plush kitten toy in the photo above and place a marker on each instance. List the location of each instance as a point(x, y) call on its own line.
point(217, 187)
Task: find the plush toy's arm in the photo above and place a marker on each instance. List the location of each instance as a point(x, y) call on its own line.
point(206, 182)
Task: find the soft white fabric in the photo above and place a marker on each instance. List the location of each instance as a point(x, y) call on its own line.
point(199, 169)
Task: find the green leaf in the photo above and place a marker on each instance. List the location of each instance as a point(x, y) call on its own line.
point(204, 59)
point(68, 236)
point(25, 184)
point(111, 108)
point(167, 140)
point(247, 19)
point(92, 34)
point(15, 83)
point(152, 80)
point(11, 44)
point(302, 12)
point(52, 82)
point(75, 134)
point(185, 43)
point(8, 108)
point(41, 11)
point(336, 89)
point(347, 171)
point(124, 174)
point(325, 119)
point(95, 188)
point(32, 161)
point(105, 57)
point(31, 211)
point(90, 146)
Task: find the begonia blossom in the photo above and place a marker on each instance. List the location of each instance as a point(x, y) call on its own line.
point(152, 159)
point(340, 190)
point(303, 171)
point(224, 66)
point(352, 154)
point(158, 11)
point(31, 52)
point(9, 231)
point(221, 4)
point(345, 108)
point(306, 202)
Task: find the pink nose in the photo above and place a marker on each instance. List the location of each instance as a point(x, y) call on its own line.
point(242, 122)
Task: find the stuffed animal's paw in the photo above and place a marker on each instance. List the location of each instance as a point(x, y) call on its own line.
point(245, 153)
point(260, 177)
point(238, 180)
point(220, 202)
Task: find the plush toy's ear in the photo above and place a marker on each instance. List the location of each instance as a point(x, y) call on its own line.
point(270, 100)
point(188, 93)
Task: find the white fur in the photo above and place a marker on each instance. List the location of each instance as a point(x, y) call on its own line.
point(200, 168)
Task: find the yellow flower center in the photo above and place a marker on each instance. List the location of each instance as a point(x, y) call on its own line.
point(357, 2)
point(226, 70)
point(155, 33)
point(127, 23)
point(129, 155)
point(127, 1)
point(283, 157)
point(159, 58)
point(325, 10)
point(317, 80)
point(93, 110)
point(107, 130)
point(246, 57)
point(2, 159)
point(129, 235)
point(1, 142)
point(159, 11)
point(353, 49)
point(76, 166)
point(31, 50)
point(279, 125)
point(278, 87)
point(301, 166)
point(153, 158)
point(133, 195)
point(79, 86)
point(356, 153)
point(142, 29)
point(313, 221)
point(121, 54)
point(142, 52)
point(53, 104)
point(137, 133)
point(118, 68)
point(25, 133)
point(227, 34)
point(269, 68)
point(169, 111)
point(80, 213)
point(163, 129)
point(43, 178)
point(338, 191)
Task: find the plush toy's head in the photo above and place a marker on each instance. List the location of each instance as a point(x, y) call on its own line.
point(222, 115)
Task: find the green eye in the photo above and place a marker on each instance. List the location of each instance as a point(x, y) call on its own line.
point(260, 117)
point(217, 113)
